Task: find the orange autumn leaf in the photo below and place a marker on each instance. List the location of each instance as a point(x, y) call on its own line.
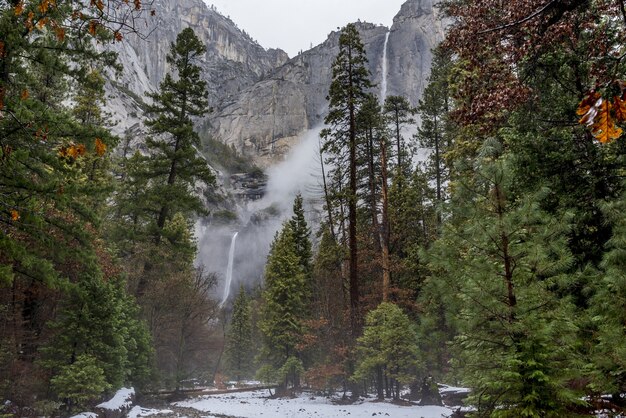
point(603, 128)
point(60, 32)
point(29, 21)
point(15, 215)
point(43, 6)
point(588, 108)
point(73, 151)
point(118, 36)
point(25, 94)
point(137, 4)
point(100, 147)
point(42, 23)
point(81, 150)
point(619, 107)
point(93, 25)
point(19, 8)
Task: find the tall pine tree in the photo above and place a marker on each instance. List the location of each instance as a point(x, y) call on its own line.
point(348, 91)
point(174, 161)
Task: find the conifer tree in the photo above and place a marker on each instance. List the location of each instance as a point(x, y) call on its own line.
point(302, 236)
point(239, 344)
point(174, 161)
point(505, 260)
point(388, 349)
point(284, 302)
point(398, 113)
point(348, 91)
point(435, 131)
point(607, 309)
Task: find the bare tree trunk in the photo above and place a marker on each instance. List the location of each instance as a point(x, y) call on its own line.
point(384, 239)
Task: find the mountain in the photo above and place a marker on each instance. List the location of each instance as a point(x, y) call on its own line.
point(233, 60)
point(262, 100)
point(267, 118)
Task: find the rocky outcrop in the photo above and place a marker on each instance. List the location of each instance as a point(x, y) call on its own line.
point(265, 119)
point(232, 62)
point(263, 101)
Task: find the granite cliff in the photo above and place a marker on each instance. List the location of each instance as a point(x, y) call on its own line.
point(265, 119)
point(262, 100)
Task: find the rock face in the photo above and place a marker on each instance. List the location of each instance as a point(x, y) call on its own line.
point(232, 62)
point(263, 101)
point(265, 119)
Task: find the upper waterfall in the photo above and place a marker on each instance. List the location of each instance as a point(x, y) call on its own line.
point(383, 83)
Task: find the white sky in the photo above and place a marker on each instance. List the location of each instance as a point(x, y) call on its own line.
point(294, 25)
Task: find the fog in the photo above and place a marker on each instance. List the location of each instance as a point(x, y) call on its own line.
point(258, 221)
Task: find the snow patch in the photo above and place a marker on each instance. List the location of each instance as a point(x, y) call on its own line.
point(123, 399)
point(452, 389)
point(138, 411)
point(257, 405)
point(86, 415)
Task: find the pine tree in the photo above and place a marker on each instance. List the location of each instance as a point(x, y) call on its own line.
point(174, 160)
point(387, 349)
point(51, 187)
point(302, 236)
point(398, 113)
point(284, 302)
point(348, 91)
point(504, 261)
point(607, 309)
point(239, 346)
point(435, 132)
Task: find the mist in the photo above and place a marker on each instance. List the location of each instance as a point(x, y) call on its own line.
point(259, 221)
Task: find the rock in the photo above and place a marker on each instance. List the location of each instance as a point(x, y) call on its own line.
point(265, 119)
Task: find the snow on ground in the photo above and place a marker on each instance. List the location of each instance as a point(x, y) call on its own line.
point(86, 415)
point(452, 389)
point(138, 411)
point(123, 399)
point(256, 404)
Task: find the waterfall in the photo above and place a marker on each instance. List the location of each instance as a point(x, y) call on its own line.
point(229, 269)
point(383, 83)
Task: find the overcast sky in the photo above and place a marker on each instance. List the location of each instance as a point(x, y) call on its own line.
point(294, 25)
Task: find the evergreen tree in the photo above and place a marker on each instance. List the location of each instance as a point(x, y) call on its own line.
point(398, 113)
point(52, 174)
point(388, 349)
point(348, 91)
point(505, 260)
point(302, 236)
point(98, 321)
point(239, 347)
point(284, 299)
point(435, 132)
point(174, 161)
point(607, 309)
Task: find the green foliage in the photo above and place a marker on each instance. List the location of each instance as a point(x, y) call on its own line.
point(291, 370)
point(389, 343)
point(174, 163)
point(608, 313)
point(504, 260)
point(99, 321)
point(284, 299)
point(398, 113)
point(80, 382)
point(347, 95)
point(436, 131)
point(301, 236)
point(267, 375)
point(239, 344)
